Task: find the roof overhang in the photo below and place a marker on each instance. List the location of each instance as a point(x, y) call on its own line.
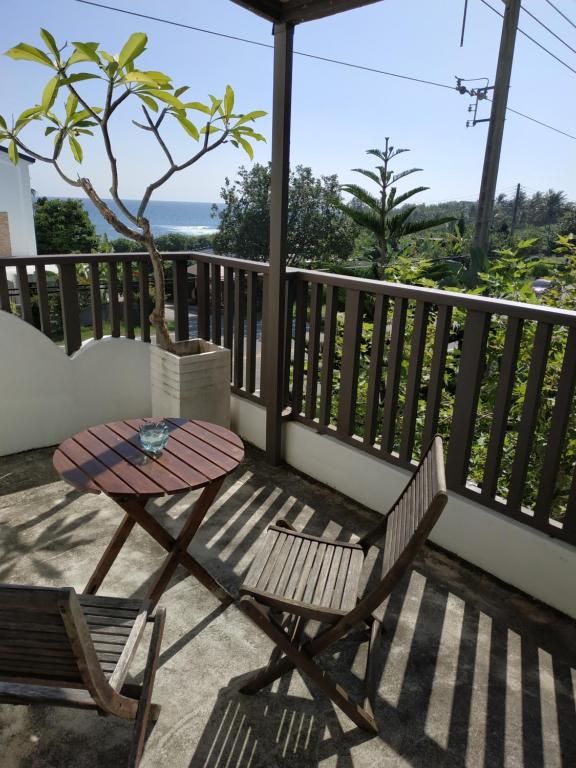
point(298, 11)
point(20, 155)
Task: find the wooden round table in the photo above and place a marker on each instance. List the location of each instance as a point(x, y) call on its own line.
point(109, 459)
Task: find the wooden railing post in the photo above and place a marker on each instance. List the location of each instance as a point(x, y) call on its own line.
point(70, 308)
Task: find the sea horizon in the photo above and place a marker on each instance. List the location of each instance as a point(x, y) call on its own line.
point(165, 216)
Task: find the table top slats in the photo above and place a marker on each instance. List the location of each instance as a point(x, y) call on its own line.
point(187, 474)
point(222, 460)
point(109, 458)
point(72, 474)
point(147, 465)
point(199, 430)
point(94, 468)
point(137, 480)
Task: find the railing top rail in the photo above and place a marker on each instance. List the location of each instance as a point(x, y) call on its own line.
point(492, 306)
point(104, 258)
point(71, 258)
point(438, 296)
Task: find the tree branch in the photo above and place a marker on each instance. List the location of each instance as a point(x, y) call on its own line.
point(84, 103)
point(108, 213)
point(50, 160)
point(156, 132)
point(108, 109)
point(174, 168)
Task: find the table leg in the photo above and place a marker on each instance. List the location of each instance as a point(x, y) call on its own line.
point(110, 554)
point(178, 554)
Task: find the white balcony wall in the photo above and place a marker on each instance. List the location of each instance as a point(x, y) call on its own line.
point(16, 201)
point(46, 396)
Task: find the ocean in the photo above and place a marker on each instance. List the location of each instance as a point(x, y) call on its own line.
point(164, 216)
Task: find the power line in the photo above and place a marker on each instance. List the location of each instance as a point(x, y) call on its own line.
point(561, 13)
point(265, 45)
point(537, 20)
point(308, 55)
point(487, 4)
point(539, 122)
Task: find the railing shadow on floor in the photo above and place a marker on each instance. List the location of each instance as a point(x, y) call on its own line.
point(457, 689)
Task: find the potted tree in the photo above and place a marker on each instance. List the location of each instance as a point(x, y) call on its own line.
point(69, 114)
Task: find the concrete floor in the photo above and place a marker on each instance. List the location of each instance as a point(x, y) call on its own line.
point(473, 673)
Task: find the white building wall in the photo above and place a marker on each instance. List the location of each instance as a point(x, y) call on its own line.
point(16, 200)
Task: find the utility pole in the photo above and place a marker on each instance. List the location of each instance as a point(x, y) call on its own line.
point(515, 210)
point(496, 127)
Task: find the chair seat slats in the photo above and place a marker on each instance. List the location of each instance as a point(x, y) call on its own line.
point(306, 575)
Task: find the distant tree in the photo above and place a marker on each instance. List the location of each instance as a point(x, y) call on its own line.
point(380, 214)
point(63, 226)
point(317, 229)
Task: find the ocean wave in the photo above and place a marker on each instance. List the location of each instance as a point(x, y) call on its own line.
point(194, 229)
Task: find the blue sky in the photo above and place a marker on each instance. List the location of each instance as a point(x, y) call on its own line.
point(338, 112)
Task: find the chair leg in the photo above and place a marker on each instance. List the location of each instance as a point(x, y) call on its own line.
point(147, 710)
point(370, 681)
point(304, 661)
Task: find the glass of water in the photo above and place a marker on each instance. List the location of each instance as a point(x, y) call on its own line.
point(154, 436)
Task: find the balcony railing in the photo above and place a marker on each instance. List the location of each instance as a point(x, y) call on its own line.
point(378, 366)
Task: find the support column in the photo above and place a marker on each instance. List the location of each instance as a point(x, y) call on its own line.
point(496, 127)
point(272, 367)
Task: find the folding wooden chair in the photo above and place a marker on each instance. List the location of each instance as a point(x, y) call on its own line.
point(60, 648)
point(302, 578)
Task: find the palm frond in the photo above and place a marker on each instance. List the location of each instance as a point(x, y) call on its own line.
point(362, 195)
point(401, 175)
point(369, 174)
point(407, 195)
point(362, 217)
point(411, 227)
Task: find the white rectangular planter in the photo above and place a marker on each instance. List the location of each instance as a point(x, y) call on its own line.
point(193, 385)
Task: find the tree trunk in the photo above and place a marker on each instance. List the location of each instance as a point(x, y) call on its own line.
point(158, 315)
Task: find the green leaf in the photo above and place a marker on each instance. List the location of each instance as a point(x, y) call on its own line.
point(144, 78)
point(246, 146)
point(78, 77)
point(71, 104)
point(216, 105)
point(228, 100)
point(49, 94)
point(25, 52)
point(3, 123)
point(189, 127)
point(50, 43)
point(76, 149)
point(28, 113)
point(179, 91)
point(134, 46)
point(200, 107)
point(168, 98)
point(159, 77)
point(251, 116)
point(13, 152)
point(85, 52)
point(50, 130)
point(148, 101)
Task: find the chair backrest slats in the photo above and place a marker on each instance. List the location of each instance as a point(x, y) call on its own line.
point(406, 527)
point(37, 638)
point(34, 644)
